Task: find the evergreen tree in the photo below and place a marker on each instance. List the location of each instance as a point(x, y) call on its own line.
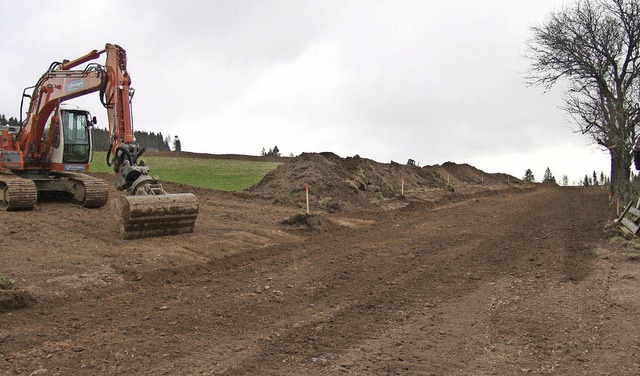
point(565, 180)
point(528, 176)
point(548, 176)
point(177, 145)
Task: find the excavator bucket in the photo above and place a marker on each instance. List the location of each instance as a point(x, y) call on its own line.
point(155, 215)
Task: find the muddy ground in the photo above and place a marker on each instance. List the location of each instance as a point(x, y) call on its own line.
point(518, 281)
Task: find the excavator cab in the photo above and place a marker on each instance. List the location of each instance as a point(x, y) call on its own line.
point(71, 142)
point(76, 136)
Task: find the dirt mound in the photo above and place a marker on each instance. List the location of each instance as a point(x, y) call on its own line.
point(550, 183)
point(15, 299)
point(356, 183)
point(467, 174)
point(313, 222)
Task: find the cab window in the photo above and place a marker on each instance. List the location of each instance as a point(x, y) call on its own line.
point(76, 137)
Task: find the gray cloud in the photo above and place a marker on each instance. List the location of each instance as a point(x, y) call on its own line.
point(433, 81)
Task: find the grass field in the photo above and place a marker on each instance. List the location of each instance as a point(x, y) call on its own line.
point(221, 174)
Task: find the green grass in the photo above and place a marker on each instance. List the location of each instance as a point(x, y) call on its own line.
point(6, 282)
point(634, 255)
point(220, 174)
point(617, 240)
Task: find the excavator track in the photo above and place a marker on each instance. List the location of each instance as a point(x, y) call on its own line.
point(155, 215)
point(17, 193)
point(90, 192)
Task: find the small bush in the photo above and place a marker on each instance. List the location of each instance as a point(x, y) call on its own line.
point(634, 255)
point(617, 240)
point(329, 205)
point(6, 283)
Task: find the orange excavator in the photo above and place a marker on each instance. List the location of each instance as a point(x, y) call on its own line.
point(49, 151)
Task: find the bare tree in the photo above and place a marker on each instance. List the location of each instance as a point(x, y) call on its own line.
point(593, 46)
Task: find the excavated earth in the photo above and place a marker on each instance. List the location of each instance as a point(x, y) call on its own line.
point(464, 274)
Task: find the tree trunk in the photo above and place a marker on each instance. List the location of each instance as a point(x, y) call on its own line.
point(620, 173)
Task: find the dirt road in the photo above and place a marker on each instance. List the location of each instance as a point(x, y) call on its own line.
point(516, 283)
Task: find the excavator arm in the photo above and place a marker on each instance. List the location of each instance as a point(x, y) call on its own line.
point(60, 83)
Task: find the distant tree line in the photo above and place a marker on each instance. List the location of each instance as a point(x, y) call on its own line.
point(275, 152)
point(594, 180)
point(548, 176)
point(151, 140)
point(10, 121)
point(588, 181)
point(101, 140)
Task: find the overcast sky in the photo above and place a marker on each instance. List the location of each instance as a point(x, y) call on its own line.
point(434, 81)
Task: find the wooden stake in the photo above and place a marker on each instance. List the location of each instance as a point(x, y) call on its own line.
point(306, 189)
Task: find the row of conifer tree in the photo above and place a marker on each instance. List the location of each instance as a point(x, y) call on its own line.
point(151, 140)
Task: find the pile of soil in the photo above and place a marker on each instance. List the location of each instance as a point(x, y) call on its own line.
point(11, 299)
point(309, 222)
point(467, 174)
point(355, 183)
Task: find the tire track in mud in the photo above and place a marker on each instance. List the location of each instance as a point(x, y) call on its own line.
point(415, 292)
point(449, 277)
